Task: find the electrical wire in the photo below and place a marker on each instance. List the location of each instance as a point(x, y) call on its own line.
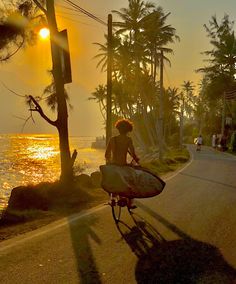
point(74, 20)
point(82, 10)
point(70, 9)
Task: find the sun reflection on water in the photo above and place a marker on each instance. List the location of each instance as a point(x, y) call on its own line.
point(31, 159)
point(37, 158)
point(41, 153)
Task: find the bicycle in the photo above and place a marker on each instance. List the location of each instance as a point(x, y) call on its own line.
point(118, 202)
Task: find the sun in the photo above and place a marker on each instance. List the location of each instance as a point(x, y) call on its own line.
point(44, 33)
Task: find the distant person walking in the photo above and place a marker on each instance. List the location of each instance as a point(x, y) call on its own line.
point(199, 143)
point(213, 141)
point(223, 143)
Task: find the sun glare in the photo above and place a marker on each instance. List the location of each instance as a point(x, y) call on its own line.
point(44, 33)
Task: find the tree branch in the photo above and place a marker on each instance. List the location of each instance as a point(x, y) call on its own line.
point(22, 96)
point(40, 6)
point(13, 53)
point(40, 111)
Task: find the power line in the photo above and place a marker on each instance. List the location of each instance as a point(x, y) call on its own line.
point(70, 9)
point(82, 10)
point(103, 18)
point(74, 20)
point(70, 13)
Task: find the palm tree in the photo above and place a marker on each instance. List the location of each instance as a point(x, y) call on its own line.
point(146, 33)
point(186, 100)
point(140, 33)
point(222, 58)
point(157, 35)
point(131, 18)
point(171, 105)
point(131, 25)
point(99, 95)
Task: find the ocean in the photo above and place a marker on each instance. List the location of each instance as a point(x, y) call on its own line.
point(33, 158)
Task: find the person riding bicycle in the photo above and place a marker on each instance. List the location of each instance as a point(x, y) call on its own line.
point(119, 146)
point(199, 143)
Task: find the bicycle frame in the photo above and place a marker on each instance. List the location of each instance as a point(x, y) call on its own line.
point(117, 202)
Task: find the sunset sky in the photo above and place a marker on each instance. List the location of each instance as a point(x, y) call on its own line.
point(26, 73)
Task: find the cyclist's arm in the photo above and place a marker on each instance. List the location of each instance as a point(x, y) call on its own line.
point(132, 151)
point(108, 151)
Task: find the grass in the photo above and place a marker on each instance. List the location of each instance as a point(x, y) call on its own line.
point(172, 160)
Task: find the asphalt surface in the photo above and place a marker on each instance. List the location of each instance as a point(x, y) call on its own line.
point(187, 234)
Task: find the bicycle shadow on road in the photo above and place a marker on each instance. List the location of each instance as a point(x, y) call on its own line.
point(171, 262)
point(183, 261)
point(140, 237)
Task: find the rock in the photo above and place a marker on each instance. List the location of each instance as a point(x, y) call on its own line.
point(10, 217)
point(84, 180)
point(96, 179)
point(27, 197)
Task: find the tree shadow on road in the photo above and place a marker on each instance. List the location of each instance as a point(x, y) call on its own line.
point(81, 234)
point(182, 261)
point(209, 180)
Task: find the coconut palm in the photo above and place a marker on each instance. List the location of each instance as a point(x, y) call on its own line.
point(99, 95)
point(188, 96)
point(171, 102)
point(222, 58)
point(139, 35)
point(157, 35)
point(131, 18)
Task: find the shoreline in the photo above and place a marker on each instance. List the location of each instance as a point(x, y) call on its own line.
point(84, 196)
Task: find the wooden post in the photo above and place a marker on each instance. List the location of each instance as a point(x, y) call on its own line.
point(109, 81)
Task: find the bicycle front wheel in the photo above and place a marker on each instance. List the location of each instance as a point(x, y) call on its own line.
point(116, 212)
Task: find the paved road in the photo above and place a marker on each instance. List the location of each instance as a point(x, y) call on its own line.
point(187, 234)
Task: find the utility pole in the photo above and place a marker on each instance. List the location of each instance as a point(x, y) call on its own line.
point(62, 118)
point(161, 136)
point(109, 81)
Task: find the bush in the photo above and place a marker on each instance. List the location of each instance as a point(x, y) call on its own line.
point(173, 140)
point(233, 142)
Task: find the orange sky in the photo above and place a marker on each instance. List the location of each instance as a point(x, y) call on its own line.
point(26, 73)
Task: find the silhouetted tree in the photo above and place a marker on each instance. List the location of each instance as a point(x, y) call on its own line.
point(137, 41)
point(222, 58)
point(19, 23)
point(219, 73)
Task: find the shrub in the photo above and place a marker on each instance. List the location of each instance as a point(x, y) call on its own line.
point(233, 142)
